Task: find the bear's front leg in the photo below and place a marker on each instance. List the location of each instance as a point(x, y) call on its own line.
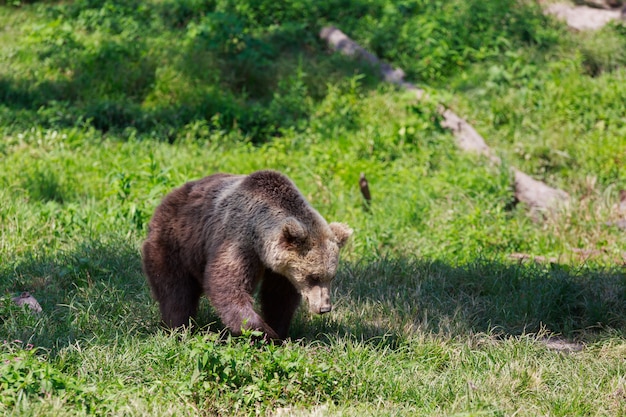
point(279, 301)
point(229, 281)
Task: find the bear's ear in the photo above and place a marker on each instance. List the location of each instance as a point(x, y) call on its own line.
point(293, 232)
point(342, 231)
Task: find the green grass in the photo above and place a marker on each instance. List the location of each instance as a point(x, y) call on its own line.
point(105, 106)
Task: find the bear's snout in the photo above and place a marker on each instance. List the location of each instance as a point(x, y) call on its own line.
point(318, 298)
point(326, 309)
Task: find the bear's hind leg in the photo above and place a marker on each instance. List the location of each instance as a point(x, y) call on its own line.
point(176, 292)
point(279, 301)
point(179, 303)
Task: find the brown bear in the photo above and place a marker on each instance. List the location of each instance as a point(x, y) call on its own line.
point(223, 234)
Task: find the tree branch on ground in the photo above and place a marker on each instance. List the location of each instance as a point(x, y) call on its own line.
point(536, 194)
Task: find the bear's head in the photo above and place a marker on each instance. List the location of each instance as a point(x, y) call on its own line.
point(308, 257)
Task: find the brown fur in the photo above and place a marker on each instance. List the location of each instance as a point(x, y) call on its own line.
point(223, 234)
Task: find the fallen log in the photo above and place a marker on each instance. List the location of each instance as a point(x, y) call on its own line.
point(591, 16)
point(536, 194)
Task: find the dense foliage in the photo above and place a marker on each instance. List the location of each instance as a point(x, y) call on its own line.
point(159, 66)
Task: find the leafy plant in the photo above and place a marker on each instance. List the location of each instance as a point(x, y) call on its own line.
point(248, 375)
point(26, 375)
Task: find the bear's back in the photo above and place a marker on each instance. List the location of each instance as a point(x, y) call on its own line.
point(277, 191)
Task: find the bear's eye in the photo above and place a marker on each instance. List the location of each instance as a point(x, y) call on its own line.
point(297, 241)
point(314, 279)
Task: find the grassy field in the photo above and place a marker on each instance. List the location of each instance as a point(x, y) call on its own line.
point(105, 106)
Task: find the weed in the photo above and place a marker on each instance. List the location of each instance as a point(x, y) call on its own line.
point(26, 375)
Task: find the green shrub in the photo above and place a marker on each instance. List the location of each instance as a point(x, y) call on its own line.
point(256, 376)
point(26, 375)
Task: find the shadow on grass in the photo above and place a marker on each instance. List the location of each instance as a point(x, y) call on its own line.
point(70, 103)
point(94, 291)
point(98, 292)
point(387, 300)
